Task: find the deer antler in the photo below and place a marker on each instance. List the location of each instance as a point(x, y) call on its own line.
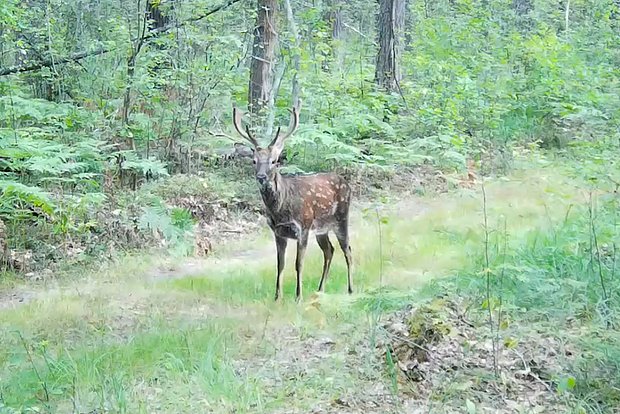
point(237, 123)
point(279, 140)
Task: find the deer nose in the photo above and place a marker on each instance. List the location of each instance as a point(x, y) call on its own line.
point(261, 177)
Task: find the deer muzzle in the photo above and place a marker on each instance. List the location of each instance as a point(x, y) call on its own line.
point(261, 178)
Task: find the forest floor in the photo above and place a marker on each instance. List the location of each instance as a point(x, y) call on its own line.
point(155, 335)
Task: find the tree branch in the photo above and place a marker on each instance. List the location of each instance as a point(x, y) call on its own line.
point(105, 49)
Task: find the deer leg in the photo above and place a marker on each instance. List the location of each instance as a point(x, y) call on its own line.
point(343, 239)
point(328, 253)
point(281, 248)
point(302, 243)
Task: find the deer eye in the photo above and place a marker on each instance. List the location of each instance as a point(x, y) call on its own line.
point(273, 162)
point(254, 162)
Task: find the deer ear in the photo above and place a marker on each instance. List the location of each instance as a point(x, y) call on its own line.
point(276, 149)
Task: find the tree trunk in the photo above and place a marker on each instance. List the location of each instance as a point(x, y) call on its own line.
point(295, 89)
point(263, 56)
point(336, 20)
point(390, 24)
point(157, 21)
point(131, 69)
point(333, 17)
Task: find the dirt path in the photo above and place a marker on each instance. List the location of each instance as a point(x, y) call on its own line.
point(414, 224)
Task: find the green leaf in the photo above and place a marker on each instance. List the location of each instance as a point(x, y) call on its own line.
point(471, 407)
point(566, 384)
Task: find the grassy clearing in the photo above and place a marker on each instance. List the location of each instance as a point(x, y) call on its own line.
point(123, 342)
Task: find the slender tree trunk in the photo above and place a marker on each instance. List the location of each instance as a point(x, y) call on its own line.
point(296, 58)
point(271, 116)
point(263, 56)
point(390, 24)
point(410, 22)
point(136, 47)
point(567, 15)
point(334, 19)
point(156, 21)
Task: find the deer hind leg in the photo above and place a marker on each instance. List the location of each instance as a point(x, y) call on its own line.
point(342, 234)
point(281, 248)
point(328, 253)
point(302, 243)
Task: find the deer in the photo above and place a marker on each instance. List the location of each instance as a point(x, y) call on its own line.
point(296, 205)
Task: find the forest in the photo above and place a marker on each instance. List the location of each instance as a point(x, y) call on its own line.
point(480, 141)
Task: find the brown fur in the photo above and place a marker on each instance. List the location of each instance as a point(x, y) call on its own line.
point(296, 205)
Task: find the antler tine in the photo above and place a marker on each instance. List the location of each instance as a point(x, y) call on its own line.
point(249, 133)
point(293, 124)
point(237, 124)
point(292, 127)
point(277, 133)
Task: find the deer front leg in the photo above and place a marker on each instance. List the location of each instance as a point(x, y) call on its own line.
point(281, 249)
point(302, 243)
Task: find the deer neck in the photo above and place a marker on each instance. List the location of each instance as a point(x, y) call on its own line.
point(273, 193)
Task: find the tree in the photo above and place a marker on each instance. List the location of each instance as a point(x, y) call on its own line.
point(390, 24)
point(334, 19)
point(296, 58)
point(263, 56)
point(156, 20)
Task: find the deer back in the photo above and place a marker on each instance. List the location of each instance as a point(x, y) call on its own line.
point(305, 202)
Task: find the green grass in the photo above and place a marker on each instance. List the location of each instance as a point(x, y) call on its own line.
point(112, 374)
point(120, 342)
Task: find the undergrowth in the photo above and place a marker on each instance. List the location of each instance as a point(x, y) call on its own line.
point(559, 282)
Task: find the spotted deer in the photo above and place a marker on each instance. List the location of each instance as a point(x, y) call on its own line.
point(297, 205)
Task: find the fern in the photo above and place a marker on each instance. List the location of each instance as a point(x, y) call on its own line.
point(143, 166)
point(175, 227)
point(14, 193)
point(172, 227)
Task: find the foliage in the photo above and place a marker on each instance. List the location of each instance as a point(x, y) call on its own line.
point(480, 77)
point(561, 281)
point(118, 151)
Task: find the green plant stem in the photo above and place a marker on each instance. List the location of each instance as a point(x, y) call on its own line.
point(43, 384)
point(487, 272)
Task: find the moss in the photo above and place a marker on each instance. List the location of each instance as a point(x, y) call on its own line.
point(429, 323)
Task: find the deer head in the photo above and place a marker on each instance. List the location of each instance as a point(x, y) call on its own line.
point(265, 160)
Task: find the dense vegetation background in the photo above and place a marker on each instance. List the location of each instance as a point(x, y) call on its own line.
point(116, 135)
point(100, 99)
